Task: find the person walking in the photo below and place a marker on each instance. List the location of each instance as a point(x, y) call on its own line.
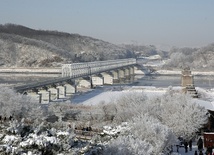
point(186, 146)
point(200, 144)
point(209, 150)
point(196, 152)
point(190, 144)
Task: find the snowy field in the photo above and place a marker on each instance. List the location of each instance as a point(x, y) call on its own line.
point(110, 94)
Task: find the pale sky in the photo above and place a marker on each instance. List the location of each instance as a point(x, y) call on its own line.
point(149, 22)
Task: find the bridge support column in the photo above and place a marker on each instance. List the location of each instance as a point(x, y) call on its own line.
point(108, 78)
point(70, 89)
point(62, 90)
point(35, 96)
point(121, 74)
point(131, 70)
point(97, 80)
point(45, 96)
point(115, 76)
point(54, 93)
point(84, 83)
point(127, 72)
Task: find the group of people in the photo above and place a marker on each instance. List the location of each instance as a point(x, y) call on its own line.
point(199, 151)
point(186, 144)
point(209, 150)
point(5, 118)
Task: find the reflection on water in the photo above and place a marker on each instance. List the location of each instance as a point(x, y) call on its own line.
point(204, 81)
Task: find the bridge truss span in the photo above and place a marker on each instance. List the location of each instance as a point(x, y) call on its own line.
point(82, 69)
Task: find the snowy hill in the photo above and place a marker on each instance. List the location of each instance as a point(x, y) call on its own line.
point(25, 47)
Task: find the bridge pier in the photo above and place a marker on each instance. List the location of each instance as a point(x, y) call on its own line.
point(97, 80)
point(108, 78)
point(130, 78)
point(127, 72)
point(35, 96)
point(131, 70)
point(54, 93)
point(84, 83)
point(45, 96)
point(70, 89)
point(62, 90)
point(121, 74)
point(115, 75)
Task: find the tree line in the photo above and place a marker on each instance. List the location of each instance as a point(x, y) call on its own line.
point(153, 124)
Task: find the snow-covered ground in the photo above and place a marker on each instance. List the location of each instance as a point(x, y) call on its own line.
point(110, 94)
point(107, 95)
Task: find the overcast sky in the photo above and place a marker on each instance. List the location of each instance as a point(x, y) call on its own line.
point(149, 22)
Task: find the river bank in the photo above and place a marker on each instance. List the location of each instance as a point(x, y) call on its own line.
point(30, 70)
point(178, 72)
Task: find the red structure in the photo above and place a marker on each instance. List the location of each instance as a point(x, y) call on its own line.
point(209, 139)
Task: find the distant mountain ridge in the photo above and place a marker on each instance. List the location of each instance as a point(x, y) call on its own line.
point(24, 47)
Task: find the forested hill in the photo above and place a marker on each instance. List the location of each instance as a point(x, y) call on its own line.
point(200, 59)
point(24, 47)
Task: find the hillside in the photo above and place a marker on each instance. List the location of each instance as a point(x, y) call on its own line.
point(24, 47)
point(195, 58)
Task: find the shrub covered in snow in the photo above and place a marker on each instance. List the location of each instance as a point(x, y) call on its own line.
point(18, 106)
point(143, 135)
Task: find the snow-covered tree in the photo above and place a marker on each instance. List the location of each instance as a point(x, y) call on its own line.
point(59, 109)
point(128, 145)
point(145, 135)
point(17, 105)
point(128, 106)
point(180, 113)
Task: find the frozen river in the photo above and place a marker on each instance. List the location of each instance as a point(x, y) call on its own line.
point(205, 81)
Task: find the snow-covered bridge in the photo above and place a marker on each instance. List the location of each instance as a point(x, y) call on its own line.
point(78, 75)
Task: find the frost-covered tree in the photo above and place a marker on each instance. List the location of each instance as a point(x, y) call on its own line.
point(127, 106)
point(174, 109)
point(18, 105)
point(145, 135)
point(180, 113)
point(59, 109)
point(128, 145)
